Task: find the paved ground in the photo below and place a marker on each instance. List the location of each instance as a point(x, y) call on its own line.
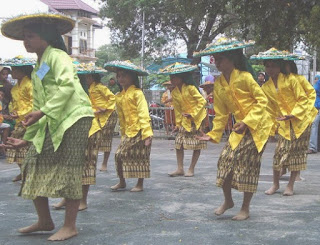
point(175, 210)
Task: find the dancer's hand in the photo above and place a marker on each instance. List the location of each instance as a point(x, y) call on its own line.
point(14, 115)
point(32, 117)
point(285, 118)
point(148, 141)
point(202, 137)
point(239, 127)
point(13, 143)
point(176, 129)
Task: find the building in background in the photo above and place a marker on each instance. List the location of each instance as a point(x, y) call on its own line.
point(80, 41)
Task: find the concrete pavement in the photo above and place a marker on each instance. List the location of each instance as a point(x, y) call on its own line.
point(175, 210)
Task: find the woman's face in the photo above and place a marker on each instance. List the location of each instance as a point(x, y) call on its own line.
point(124, 79)
point(32, 41)
point(16, 73)
point(221, 62)
point(272, 68)
point(176, 80)
point(4, 74)
point(261, 78)
point(89, 79)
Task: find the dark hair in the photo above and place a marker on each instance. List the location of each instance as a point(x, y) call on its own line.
point(82, 79)
point(293, 66)
point(279, 63)
point(27, 70)
point(186, 78)
point(261, 73)
point(112, 78)
point(96, 77)
point(49, 33)
point(238, 59)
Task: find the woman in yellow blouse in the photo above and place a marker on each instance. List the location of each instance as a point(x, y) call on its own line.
point(288, 106)
point(189, 106)
point(133, 154)
point(237, 93)
point(21, 104)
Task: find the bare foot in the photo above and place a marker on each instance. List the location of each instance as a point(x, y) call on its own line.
point(37, 227)
point(118, 186)
point(17, 178)
point(136, 189)
point(63, 234)
point(60, 205)
point(288, 191)
point(272, 190)
point(190, 173)
point(242, 215)
point(299, 178)
point(224, 207)
point(103, 169)
point(176, 173)
point(82, 206)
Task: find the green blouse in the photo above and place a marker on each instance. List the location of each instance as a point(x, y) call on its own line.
point(57, 92)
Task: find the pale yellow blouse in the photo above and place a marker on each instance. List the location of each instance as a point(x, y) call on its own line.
point(190, 101)
point(133, 113)
point(22, 102)
point(311, 95)
point(289, 99)
point(244, 98)
point(101, 98)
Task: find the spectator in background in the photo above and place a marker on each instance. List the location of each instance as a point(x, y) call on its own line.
point(313, 143)
point(7, 86)
point(207, 86)
point(113, 86)
point(166, 99)
point(261, 78)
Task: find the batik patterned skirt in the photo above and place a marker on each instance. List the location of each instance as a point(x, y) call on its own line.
point(292, 154)
point(186, 140)
point(107, 133)
point(133, 158)
point(243, 163)
point(17, 155)
point(57, 174)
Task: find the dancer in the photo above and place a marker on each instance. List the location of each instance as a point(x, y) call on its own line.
point(190, 112)
point(166, 99)
point(57, 127)
point(21, 104)
point(288, 106)
point(133, 154)
point(207, 86)
point(101, 132)
point(236, 92)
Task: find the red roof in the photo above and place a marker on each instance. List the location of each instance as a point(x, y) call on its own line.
point(69, 4)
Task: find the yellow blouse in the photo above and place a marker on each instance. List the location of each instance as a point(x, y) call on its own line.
point(244, 98)
point(101, 98)
point(164, 98)
point(188, 100)
point(311, 95)
point(133, 113)
point(22, 101)
point(289, 99)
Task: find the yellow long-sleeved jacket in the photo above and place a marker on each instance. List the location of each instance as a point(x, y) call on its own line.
point(188, 100)
point(164, 98)
point(22, 101)
point(311, 95)
point(133, 113)
point(101, 98)
point(246, 101)
point(289, 99)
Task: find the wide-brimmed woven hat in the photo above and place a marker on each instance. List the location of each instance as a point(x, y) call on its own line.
point(88, 68)
point(177, 68)
point(13, 28)
point(272, 54)
point(114, 66)
point(295, 56)
point(222, 45)
point(18, 61)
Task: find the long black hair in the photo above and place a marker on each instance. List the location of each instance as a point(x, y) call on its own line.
point(280, 63)
point(293, 66)
point(49, 33)
point(27, 70)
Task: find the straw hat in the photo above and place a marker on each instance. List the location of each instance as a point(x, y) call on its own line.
point(18, 61)
point(114, 66)
point(273, 54)
point(205, 84)
point(88, 68)
point(222, 45)
point(13, 28)
point(177, 68)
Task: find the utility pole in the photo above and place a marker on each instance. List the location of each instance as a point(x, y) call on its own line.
point(142, 47)
point(314, 64)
